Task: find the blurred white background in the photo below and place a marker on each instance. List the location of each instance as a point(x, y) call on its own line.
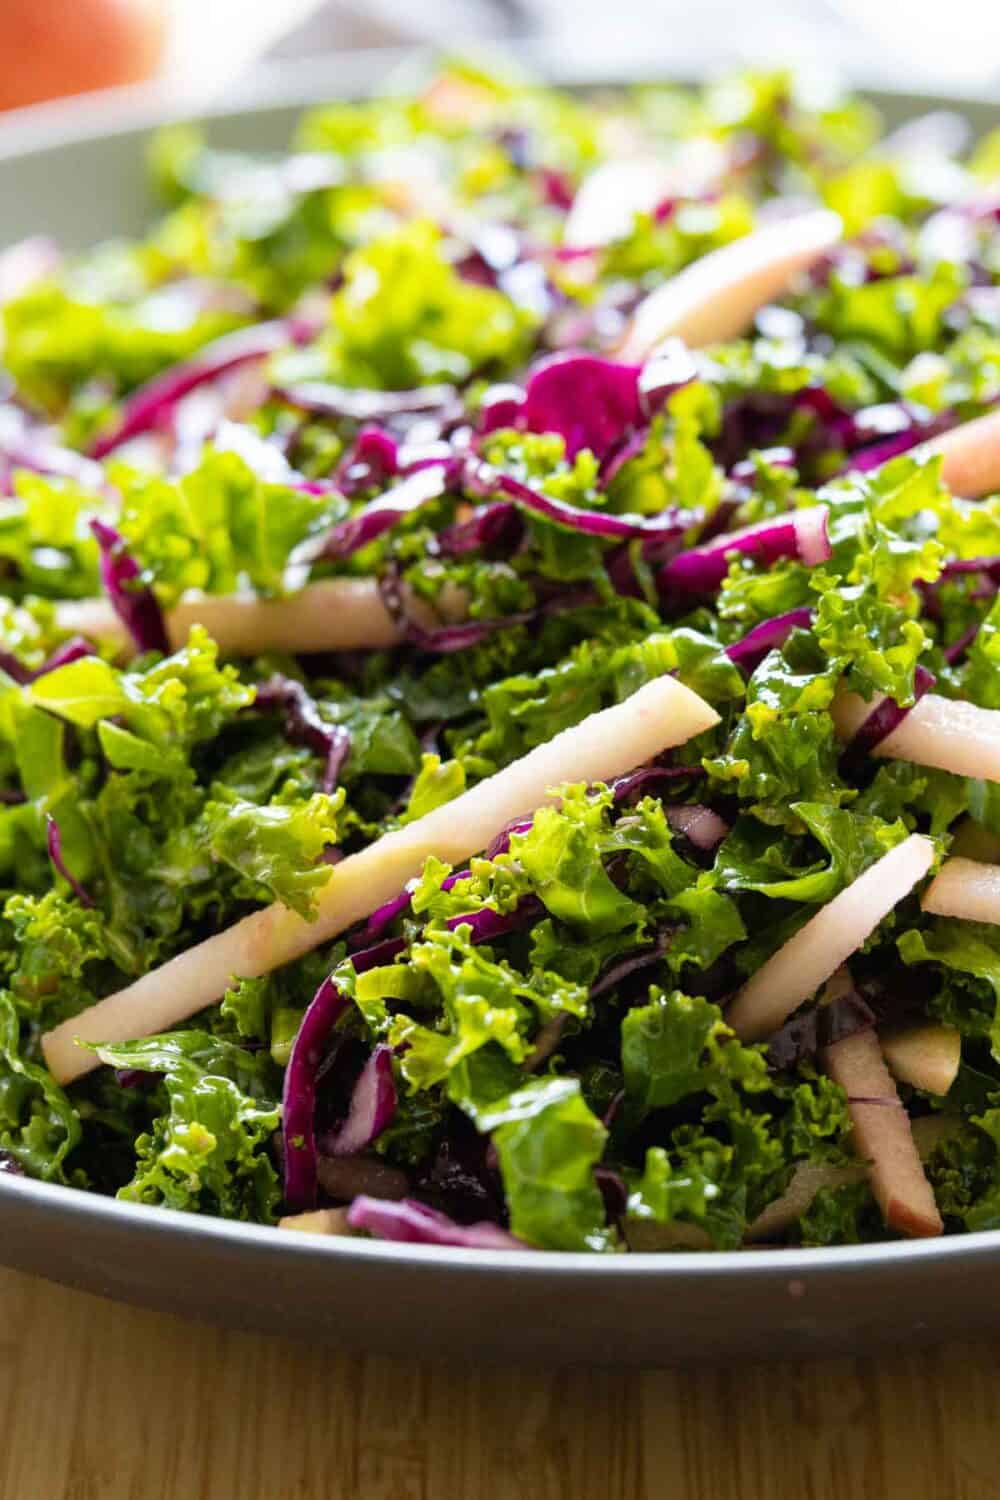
point(203, 49)
point(910, 43)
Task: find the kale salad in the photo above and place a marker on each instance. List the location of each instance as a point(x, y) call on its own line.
point(500, 676)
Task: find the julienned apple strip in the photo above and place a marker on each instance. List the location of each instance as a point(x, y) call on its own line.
point(336, 614)
point(817, 950)
point(948, 734)
point(882, 1135)
point(658, 717)
point(716, 297)
point(971, 454)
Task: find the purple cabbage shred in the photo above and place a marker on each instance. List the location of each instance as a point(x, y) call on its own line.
point(133, 602)
point(53, 839)
point(413, 1223)
point(372, 1107)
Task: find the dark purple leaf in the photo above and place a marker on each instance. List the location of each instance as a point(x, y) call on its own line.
point(152, 405)
point(412, 1223)
point(133, 602)
point(14, 668)
point(305, 725)
point(629, 963)
point(618, 455)
point(53, 839)
point(613, 1191)
point(819, 1026)
point(132, 1078)
point(959, 647)
point(625, 786)
point(547, 1040)
point(447, 639)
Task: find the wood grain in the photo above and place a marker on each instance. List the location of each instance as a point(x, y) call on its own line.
point(103, 1402)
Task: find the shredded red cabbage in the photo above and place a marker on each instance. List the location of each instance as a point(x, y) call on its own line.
point(501, 843)
point(751, 650)
point(153, 403)
point(700, 825)
point(362, 405)
point(380, 919)
point(625, 786)
point(378, 954)
point(372, 460)
point(496, 527)
point(502, 406)
point(486, 481)
point(53, 839)
point(426, 483)
point(487, 924)
point(23, 446)
point(896, 429)
point(298, 1098)
point(133, 602)
point(413, 1223)
point(589, 401)
point(629, 963)
point(305, 725)
point(670, 366)
point(70, 651)
point(801, 534)
point(372, 1107)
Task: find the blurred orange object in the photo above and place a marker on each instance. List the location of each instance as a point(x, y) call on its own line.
point(53, 47)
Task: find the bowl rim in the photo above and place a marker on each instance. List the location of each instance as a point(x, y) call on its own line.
point(842, 1261)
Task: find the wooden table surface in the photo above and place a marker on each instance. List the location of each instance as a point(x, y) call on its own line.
point(104, 1402)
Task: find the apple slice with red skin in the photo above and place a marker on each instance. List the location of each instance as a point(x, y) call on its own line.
point(882, 1135)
